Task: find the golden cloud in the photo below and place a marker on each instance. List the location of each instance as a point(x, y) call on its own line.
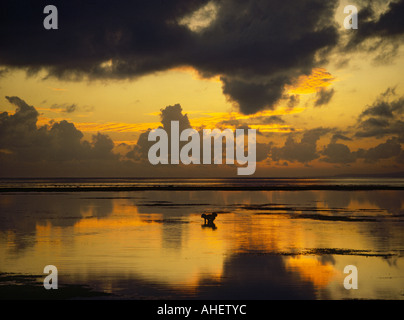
point(319, 78)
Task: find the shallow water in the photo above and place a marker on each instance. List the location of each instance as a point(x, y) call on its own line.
point(264, 245)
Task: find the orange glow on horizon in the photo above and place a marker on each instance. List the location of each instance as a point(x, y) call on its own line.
point(201, 120)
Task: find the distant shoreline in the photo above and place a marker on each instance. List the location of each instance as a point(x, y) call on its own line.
point(203, 188)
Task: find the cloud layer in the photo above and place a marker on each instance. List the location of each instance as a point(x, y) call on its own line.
point(60, 145)
point(383, 119)
point(23, 143)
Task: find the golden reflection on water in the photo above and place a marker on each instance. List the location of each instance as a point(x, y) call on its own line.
point(145, 237)
point(311, 269)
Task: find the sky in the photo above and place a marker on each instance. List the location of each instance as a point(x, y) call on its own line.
point(81, 99)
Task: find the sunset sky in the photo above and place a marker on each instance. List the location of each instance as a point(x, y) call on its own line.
point(81, 99)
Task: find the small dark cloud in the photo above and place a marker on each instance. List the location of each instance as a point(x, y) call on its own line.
point(293, 101)
point(390, 91)
point(251, 96)
point(382, 109)
point(174, 113)
point(386, 24)
point(386, 150)
point(65, 108)
point(231, 122)
point(70, 108)
point(385, 117)
point(338, 153)
point(271, 120)
point(339, 136)
point(380, 32)
point(303, 151)
point(374, 127)
point(323, 96)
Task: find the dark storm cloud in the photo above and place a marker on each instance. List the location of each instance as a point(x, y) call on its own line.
point(91, 32)
point(256, 46)
point(253, 97)
point(259, 46)
point(323, 97)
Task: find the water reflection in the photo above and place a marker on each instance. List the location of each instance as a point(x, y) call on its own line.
point(263, 245)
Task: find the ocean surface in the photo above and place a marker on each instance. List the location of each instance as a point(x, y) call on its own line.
point(145, 238)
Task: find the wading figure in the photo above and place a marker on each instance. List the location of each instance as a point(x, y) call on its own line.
point(209, 218)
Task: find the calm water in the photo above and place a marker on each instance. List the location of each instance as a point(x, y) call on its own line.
point(264, 245)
